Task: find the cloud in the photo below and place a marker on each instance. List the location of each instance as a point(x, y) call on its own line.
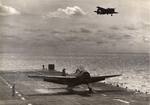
point(146, 39)
point(7, 10)
point(85, 30)
point(67, 12)
point(145, 25)
point(77, 39)
point(115, 28)
point(56, 31)
point(118, 37)
point(81, 30)
point(131, 27)
point(127, 36)
point(101, 42)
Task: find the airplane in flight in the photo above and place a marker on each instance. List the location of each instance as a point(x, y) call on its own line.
point(103, 11)
point(75, 79)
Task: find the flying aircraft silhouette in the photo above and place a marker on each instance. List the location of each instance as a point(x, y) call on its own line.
point(75, 79)
point(103, 11)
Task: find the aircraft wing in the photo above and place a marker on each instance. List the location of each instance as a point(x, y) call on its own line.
point(101, 78)
point(69, 80)
point(56, 79)
point(100, 7)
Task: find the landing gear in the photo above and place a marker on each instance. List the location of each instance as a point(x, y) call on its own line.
point(90, 89)
point(70, 89)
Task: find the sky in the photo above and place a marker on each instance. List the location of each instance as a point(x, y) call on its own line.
point(71, 26)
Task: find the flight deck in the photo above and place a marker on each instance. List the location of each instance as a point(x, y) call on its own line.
point(30, 91)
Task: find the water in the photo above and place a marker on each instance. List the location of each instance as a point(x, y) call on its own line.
point(133, 67)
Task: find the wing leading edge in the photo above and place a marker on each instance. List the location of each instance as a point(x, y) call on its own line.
point(56, 79)
point(101, 78)
point(70, 79)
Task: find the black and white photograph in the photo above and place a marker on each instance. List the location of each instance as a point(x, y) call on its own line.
point(74, 52)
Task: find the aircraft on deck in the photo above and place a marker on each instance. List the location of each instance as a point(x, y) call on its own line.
point(103, 11)
point(75, 79)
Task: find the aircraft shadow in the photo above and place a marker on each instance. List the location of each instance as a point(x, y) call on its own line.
point(84, 93)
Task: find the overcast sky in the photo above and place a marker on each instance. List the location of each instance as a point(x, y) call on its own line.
point(72, 24)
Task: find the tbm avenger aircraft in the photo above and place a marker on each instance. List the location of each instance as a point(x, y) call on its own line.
point(75, 79)
point(103, 11)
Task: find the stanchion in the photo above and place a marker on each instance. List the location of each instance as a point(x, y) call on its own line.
point(13, 90)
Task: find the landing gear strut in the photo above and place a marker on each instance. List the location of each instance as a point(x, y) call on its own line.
point(70, 89)
point(90, 89)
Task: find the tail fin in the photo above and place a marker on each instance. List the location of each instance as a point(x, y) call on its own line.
point(96, 12)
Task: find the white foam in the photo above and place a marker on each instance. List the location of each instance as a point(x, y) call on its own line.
point(134, 81)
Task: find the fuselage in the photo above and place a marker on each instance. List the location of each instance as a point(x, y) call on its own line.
point(83, 77)
point(107, 11)
point(80, 77)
